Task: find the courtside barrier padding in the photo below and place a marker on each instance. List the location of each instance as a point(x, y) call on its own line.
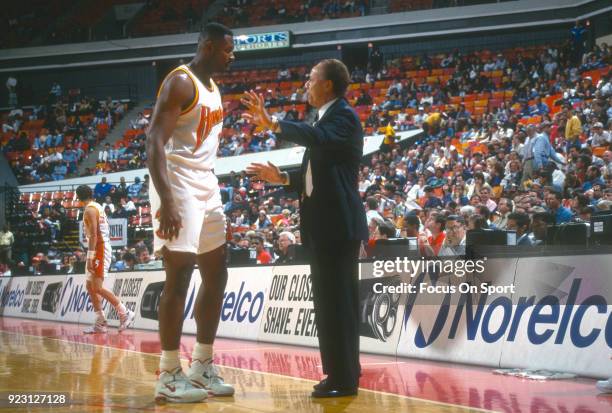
point(558, 318)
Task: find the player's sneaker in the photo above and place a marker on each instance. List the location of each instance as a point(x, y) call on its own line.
point(173, 386)
point(127, 320)
point(605, 386)
point(205, 375)
point(98, 327)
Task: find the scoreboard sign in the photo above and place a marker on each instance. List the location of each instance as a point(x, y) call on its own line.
point(262, 41)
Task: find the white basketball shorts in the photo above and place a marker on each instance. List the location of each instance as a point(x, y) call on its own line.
point(198, 199)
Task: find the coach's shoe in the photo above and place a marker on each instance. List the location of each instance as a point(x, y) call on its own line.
point(173, 386)
point(605, 386)
point(127, 320)
point(98, 327)
point(205, 375)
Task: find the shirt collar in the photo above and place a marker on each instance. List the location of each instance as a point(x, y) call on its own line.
point(324, 108)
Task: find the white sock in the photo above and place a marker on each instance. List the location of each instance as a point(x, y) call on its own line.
point(202, 352)
point(121, 310)
point(100, 316)
point(169, 360)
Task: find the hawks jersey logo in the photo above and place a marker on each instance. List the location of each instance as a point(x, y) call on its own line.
point(208, 119)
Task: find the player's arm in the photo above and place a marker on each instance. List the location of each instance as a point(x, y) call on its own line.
point(176, 93)
point(90, 218)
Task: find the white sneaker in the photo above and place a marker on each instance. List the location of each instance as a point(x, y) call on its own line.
point(173, 387)
point(205, 375)
point(98, 327)
point(605, 386)
point(127, 320)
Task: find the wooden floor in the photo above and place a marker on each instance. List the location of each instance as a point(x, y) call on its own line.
point(97, 378)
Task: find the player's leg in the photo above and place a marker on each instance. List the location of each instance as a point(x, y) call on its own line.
point(126, 317)
point(213, 270)
point(99, 325)
point(172, 385)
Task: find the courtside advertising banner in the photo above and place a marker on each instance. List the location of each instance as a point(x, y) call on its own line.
point(243, 302)
point(147, 305)
point(447, 317)
point(12, 295)
point(128, 287)
point(45, 293)
point(74, 302)
point(381, 308)
point(289, 312)
point(563, 319)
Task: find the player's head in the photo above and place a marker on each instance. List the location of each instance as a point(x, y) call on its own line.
point(84, 193)
point(329, 79)
point(216, 46)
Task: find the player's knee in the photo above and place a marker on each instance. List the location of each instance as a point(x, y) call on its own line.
point(91, 287)
point(177, 286)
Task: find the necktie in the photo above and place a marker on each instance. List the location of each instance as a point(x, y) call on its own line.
point(308, 187)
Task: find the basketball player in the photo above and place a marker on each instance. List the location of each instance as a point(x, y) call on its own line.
point(98, 261)
point(189, 224)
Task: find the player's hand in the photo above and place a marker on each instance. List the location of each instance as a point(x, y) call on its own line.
point(169, 221)
point(257, 112)
point(266, 172)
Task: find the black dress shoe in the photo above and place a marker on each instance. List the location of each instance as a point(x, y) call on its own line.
point(332, 391)
point(321, 385)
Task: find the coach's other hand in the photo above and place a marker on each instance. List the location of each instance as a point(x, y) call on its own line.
point(269, 173)
point(257, 112)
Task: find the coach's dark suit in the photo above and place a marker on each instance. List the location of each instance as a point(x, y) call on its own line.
point(333, 223)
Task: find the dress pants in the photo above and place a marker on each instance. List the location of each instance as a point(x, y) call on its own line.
point(335, 284)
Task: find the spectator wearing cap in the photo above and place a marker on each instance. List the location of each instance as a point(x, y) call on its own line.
point(454, 243)
point(519, 222)
point(560, 213)
point(599, 136)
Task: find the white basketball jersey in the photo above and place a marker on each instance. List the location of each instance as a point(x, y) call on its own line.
point(103, 227)
point(194, 142)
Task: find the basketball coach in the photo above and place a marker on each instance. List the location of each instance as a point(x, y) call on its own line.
point(332, 216)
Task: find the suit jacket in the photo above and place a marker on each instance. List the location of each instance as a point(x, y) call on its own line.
point(334, 211)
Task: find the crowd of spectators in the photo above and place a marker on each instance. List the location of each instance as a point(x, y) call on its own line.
point(56, 22)
point(46, 142)
point(541, 155)
point(248, 13)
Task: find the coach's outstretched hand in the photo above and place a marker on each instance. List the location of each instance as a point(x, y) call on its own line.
point(257, 112)
point(269, 173)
